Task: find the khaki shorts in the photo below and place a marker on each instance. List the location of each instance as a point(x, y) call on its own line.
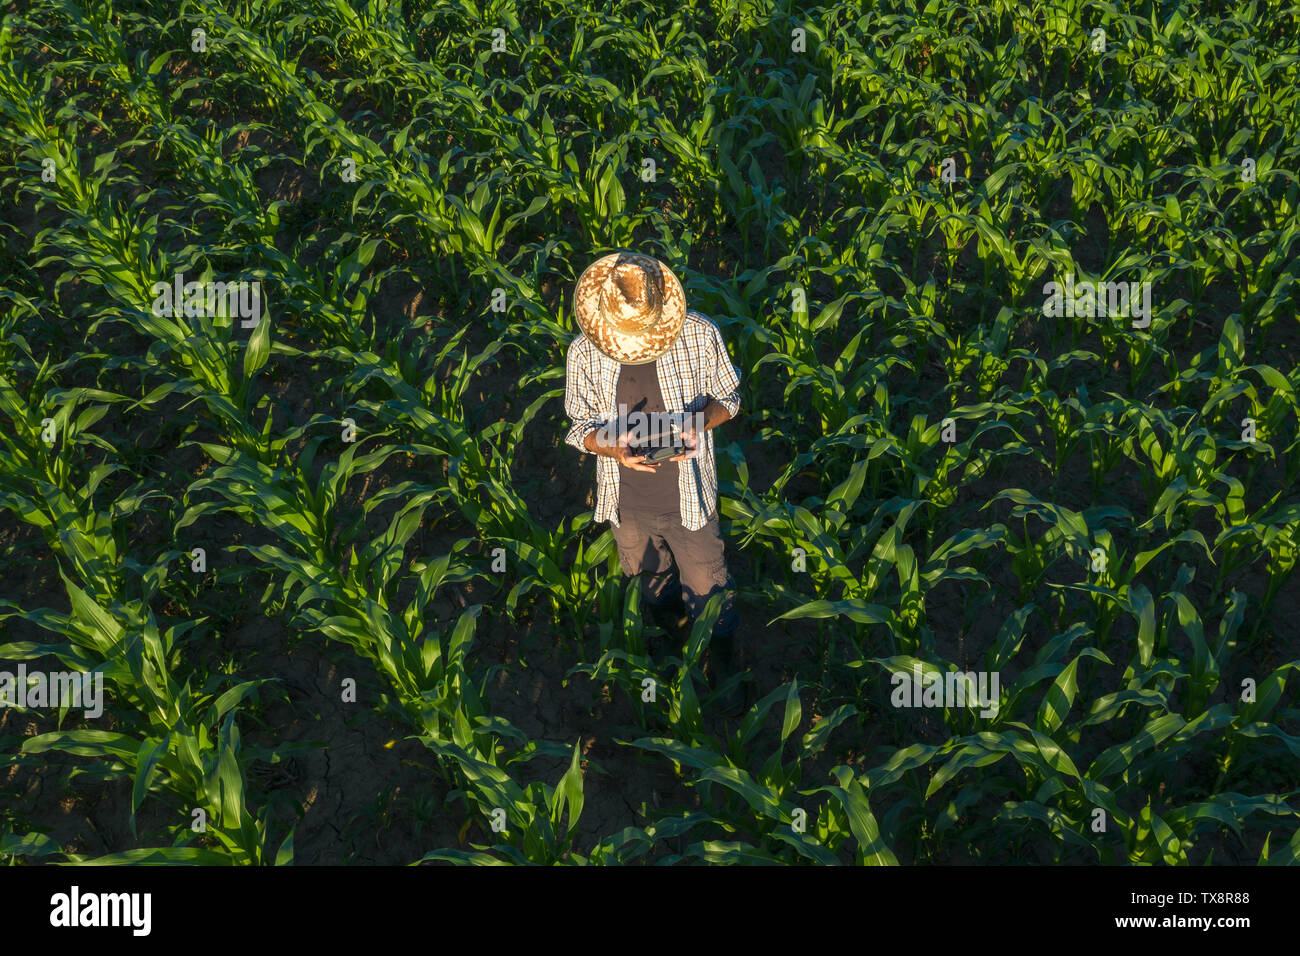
point(677, 564)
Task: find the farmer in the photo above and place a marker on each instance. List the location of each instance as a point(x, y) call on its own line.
point(646, 372)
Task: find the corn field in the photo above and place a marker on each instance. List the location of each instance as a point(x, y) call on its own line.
point(339, 574)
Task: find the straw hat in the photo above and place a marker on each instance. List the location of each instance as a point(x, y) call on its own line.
point(631, 306)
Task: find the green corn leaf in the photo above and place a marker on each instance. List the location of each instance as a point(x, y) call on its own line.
point(147, 758)
point(85, 743)
point(862, 823)
point(30, 844)
point(230, 777)
point(1121, 756)
point(972, 756)
point(158, 856)
point(793, 711)
point(232, 698)
point(1060, 696)
point(569, 793)
point(855, 610)
point(715, 851)
point(908, 758)
point(258, 349)
point(1140, 604)
point(814, 741)
point(805, 847)
point(284, 855)
point(1055, 820)
point(1267, 694)
point(464, 858)
point(1263, 730)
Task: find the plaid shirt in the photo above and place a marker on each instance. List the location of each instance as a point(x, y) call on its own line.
point(695, 369)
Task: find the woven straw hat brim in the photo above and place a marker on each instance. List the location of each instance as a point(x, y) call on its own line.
point(635, 349)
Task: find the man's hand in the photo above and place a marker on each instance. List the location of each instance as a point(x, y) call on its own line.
point(691, 441)
point(620, 451)
point(624, 455)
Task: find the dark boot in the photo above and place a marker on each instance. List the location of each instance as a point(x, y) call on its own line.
point(670, 616)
